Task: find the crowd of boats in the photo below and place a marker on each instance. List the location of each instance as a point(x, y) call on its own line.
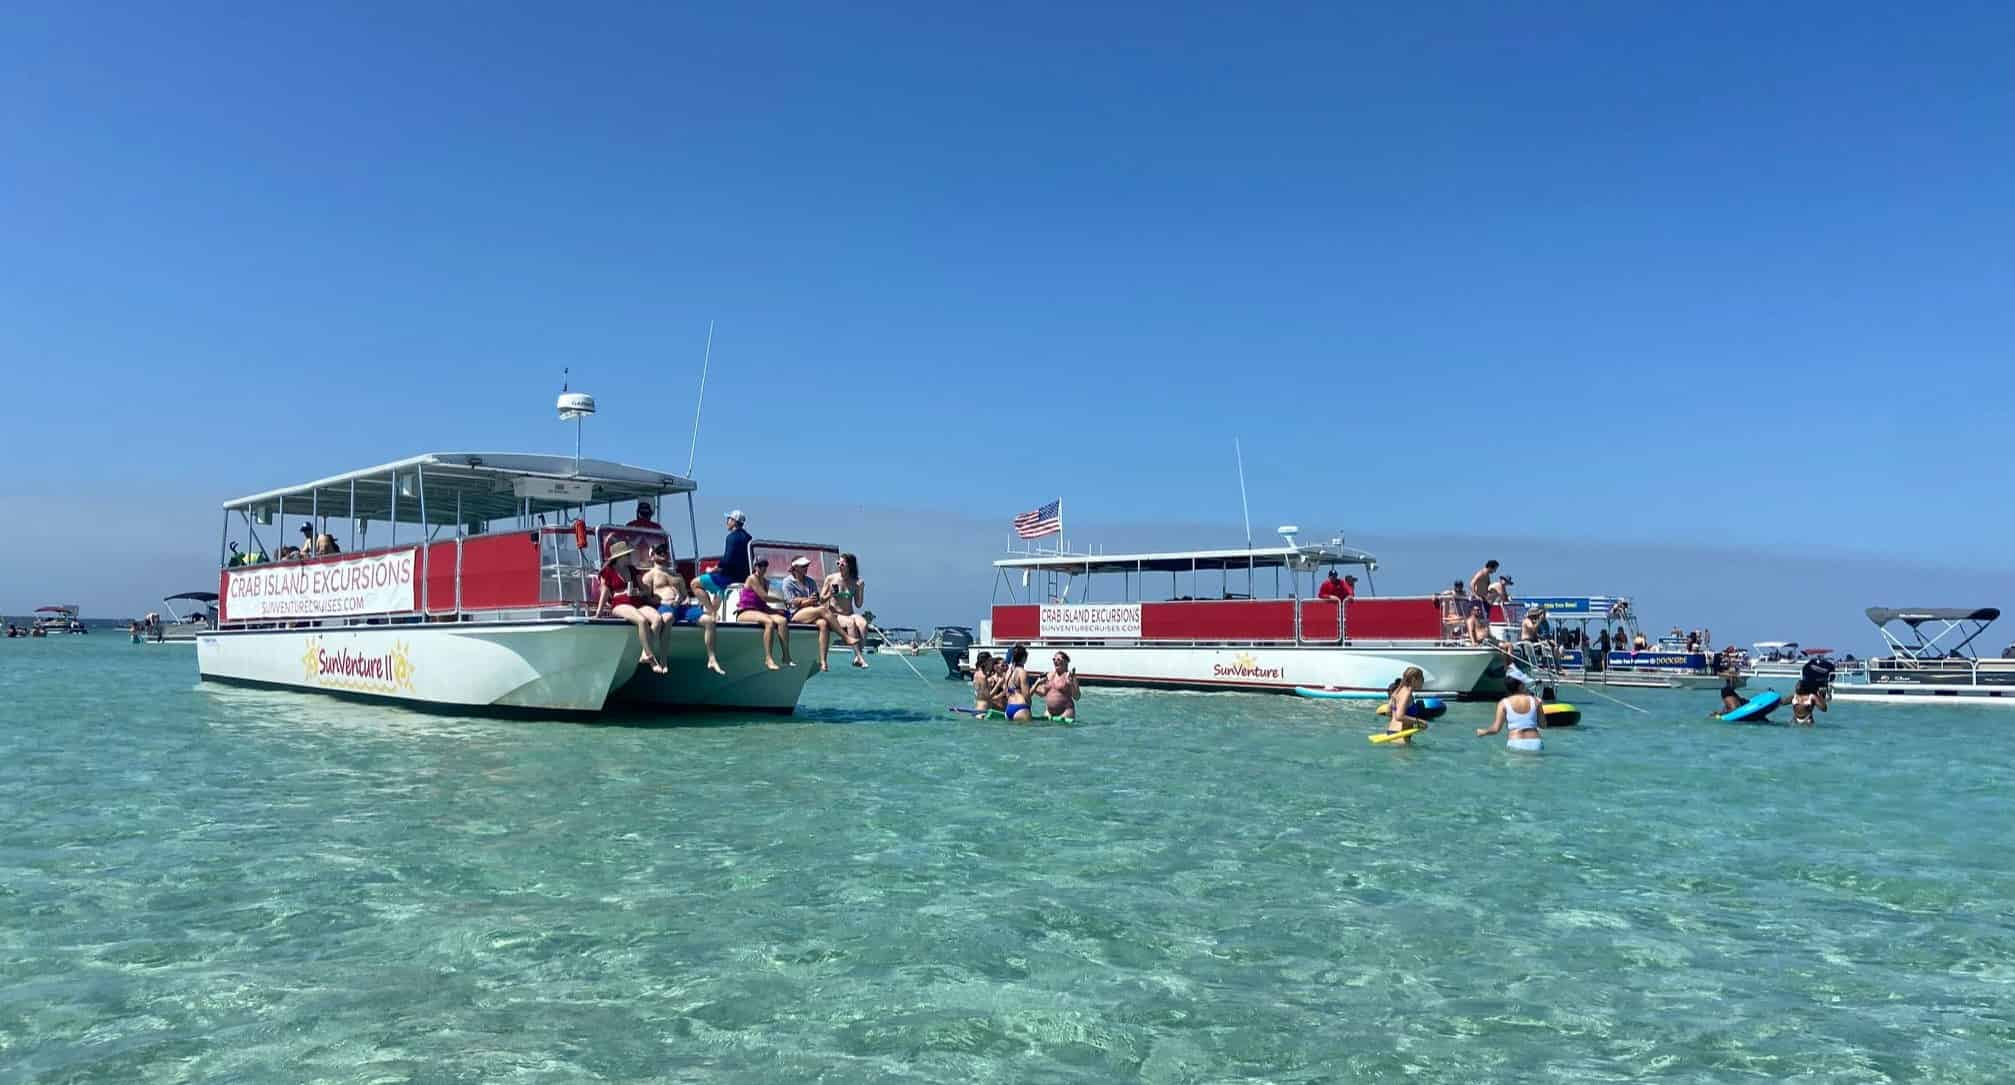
point(470, 579)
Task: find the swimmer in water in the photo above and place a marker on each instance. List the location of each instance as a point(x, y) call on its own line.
point(1017, 684)
point(1521, 712)
point(985, 685)
point(1400, 699)
point(1059, 689)
point(1730, 698)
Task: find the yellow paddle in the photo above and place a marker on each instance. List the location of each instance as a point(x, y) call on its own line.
point(1390, 736)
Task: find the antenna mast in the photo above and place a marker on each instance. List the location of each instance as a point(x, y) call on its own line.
point(706, 363)
point(1243, 507)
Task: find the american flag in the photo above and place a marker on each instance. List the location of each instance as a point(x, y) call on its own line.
point(1047, 520)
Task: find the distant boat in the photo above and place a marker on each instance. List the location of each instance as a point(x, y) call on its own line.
point(1782, 663)
point(1671, 663)
point(1926, 669)
point(184, 628)
point(51, 620)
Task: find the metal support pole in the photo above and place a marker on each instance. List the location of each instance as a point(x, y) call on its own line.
point(224, 544)
point(458, 555)
point(353, 517)
point(426, 548)
point(693, 521)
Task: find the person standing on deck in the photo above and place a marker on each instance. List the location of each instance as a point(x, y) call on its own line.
point(643, 517)
point(1334, 588)
point(1479, 602)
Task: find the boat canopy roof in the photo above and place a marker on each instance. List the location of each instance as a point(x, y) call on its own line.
point(1777, 645)
point(486, 484)
point(56, 610)
point(1183, 561)
point(1914, 616)
point(192, 596)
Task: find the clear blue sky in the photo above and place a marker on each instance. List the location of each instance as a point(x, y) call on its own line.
point(1655, 274)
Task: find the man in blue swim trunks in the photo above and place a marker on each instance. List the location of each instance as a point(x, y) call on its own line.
point(675, 602)
point(734, 564)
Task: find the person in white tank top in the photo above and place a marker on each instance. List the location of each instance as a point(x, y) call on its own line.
point(1519, 712)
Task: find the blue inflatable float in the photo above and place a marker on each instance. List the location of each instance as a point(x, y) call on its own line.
point(1757, 708)
point(1420, 708)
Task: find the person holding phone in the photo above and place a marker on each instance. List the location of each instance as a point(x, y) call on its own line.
point(1059, 689)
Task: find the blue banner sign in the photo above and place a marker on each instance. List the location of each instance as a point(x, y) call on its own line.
point(1562, 606)
point(1667, 660)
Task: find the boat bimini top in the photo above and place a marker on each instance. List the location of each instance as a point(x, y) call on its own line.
point(1943, 622)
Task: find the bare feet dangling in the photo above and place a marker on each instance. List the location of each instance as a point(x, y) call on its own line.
point(714, 665)
point(771, 664)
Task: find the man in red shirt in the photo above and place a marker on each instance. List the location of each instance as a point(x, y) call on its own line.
point(1338, 589)
point(644, 514)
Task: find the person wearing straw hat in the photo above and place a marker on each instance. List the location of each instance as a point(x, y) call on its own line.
point(623, 594)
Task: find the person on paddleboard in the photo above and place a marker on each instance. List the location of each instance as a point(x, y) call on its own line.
point(1400, 701)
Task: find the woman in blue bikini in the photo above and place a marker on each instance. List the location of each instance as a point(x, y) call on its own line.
point(1018, 684)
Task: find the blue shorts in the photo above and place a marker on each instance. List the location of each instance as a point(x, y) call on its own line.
point(680, 613)
point(711, 583)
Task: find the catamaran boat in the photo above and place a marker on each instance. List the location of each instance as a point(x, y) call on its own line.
point(1779, 664)
point(182, 629)
point(1925, 669)
point(1670, 663)
point(1223, 632)
point(471, 582)
point(53, 620)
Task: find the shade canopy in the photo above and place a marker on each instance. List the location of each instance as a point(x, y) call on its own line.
point(1914, 615)
point(480, 485)
point(1183, 561)
point(193, 596)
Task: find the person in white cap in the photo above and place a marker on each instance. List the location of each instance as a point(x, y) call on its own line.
point(733, 567)
point(801, 598)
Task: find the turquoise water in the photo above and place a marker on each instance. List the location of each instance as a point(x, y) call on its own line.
point(216, 885)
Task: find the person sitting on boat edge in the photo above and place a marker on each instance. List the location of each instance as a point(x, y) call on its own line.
point(802, 602)
point(752, 604)
point(1520, 711)
point(624, 595)
point(676, 604)
point(733, 568)
point(1059, 689)
point(1399, 699)
point(844, 594)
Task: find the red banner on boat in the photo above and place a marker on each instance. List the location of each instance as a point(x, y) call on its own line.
point(374, 584)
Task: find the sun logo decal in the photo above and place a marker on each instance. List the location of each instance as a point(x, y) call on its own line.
point(311, 660)
point(401, 675)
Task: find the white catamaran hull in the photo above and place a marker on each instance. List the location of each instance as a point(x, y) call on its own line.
point(561, 665)
point(1451, 671)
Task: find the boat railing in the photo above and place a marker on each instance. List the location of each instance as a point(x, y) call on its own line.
point(1953, 669)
